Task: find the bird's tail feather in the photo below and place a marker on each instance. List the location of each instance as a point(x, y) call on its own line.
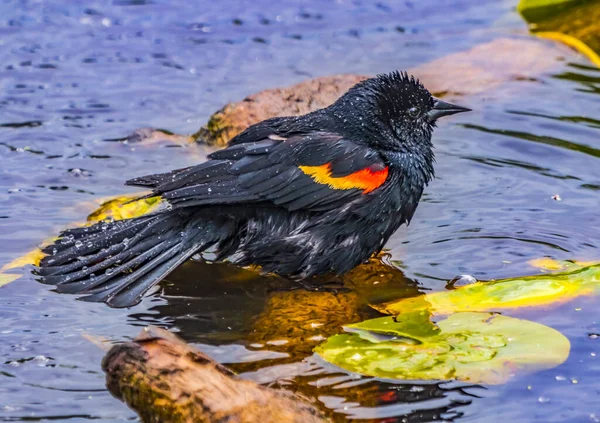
point(117, 262)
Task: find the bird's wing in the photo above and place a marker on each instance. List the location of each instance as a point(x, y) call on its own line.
point(317, 172)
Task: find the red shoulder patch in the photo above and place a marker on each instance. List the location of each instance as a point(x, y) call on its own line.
point(365, 179)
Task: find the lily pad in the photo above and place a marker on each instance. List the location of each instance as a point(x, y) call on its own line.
point(533, 10)
point(124, 207)
point(117, 208)
point(575, 23)
point(529, 291)
point(6, 278)
point(475, 347)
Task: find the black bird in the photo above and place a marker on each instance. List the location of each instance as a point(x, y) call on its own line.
point(298, 196)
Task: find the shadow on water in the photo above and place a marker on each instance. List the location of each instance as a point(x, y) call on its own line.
point(265, 328)
point(215, 303)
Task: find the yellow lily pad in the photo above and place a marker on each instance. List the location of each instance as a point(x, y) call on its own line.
point(575, 23)
point(32, 257)
point(123, 207)
point(475, 347)
point(546, 263)
point(533, 10)
point(115, 208)
point(6, 278)
point(530, 291)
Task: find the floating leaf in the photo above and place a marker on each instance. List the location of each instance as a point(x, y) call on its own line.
point(117, 208)
point(6, 278)
point(504, 294)
point(547, 263)
point(474, 347)
point(120, 208)
point(575, 23)
point(32, 257)
point(535, 10)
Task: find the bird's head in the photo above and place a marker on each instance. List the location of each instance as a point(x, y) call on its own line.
point(394, 111)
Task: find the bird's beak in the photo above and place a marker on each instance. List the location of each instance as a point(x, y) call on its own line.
point(441, 109)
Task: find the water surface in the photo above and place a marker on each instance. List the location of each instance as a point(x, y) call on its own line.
point(73, 78)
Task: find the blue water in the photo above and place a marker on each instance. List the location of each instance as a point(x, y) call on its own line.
point(75, 77)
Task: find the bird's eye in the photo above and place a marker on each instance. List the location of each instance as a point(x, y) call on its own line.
point(413, 112)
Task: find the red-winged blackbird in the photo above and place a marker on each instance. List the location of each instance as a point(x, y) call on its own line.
point(298, 196)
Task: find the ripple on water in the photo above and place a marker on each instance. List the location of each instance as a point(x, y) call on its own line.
point(111, 68)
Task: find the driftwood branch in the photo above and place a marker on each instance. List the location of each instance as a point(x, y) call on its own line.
point(165, 380)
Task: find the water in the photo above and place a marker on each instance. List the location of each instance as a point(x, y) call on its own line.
point(73, 77)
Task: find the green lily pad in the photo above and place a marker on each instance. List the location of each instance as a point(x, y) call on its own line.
point(475, 347)
point(575, 23)
point(533, 10)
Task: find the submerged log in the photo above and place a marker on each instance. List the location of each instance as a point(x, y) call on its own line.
point(166, 380)
point(294, 322)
